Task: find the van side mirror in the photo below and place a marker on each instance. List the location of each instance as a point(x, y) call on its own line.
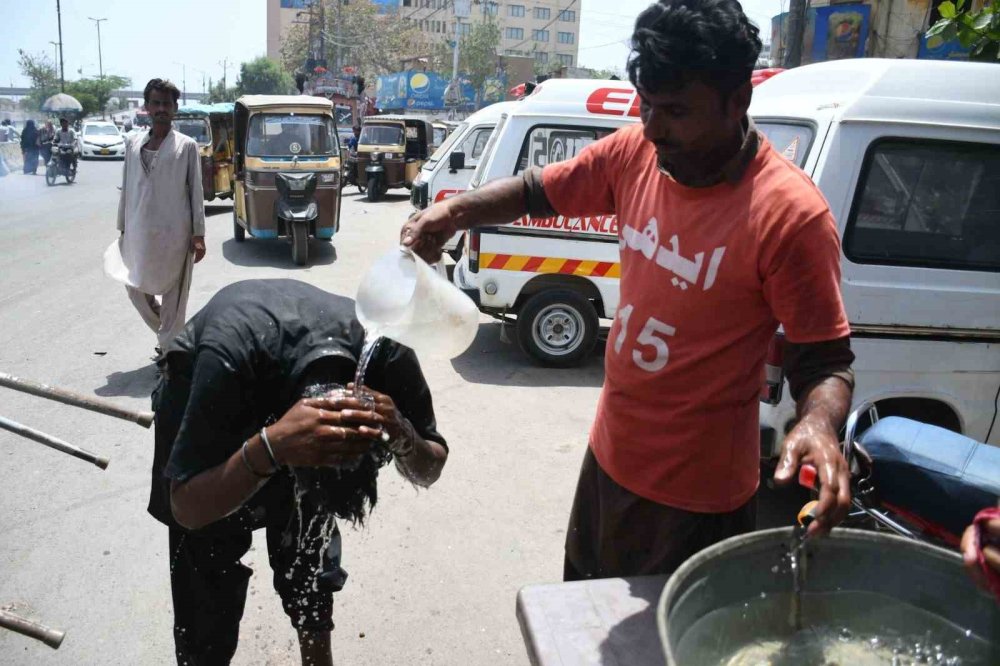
point(456, 161)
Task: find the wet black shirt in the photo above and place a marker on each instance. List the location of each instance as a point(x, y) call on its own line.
point(240, 363)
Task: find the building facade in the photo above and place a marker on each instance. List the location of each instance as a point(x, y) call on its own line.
point(546, 30)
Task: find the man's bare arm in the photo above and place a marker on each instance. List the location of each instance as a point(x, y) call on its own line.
point(498, 202)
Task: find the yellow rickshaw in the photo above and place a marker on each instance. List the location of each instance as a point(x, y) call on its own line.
point(211, 126)
point(391, 150)
point(287, 163)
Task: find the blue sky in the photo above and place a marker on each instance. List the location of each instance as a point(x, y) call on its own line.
point(143, 39)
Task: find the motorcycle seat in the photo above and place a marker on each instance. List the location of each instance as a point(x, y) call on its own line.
point(943, 477)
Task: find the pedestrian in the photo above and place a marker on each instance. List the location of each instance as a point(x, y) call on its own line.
point(7, 132)
point(29, 148)
point(161, 217)
point(45, 136)
point(673, 460)
point(244, 443)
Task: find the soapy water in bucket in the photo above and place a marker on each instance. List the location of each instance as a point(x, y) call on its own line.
point(847, 628)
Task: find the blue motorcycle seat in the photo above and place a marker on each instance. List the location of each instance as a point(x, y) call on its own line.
point(941, 476)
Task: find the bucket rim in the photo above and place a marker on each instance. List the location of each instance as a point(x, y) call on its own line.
point(770, 535)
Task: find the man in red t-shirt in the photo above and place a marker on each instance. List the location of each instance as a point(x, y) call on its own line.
point(721, 240)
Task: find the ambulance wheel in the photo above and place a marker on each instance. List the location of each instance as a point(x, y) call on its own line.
point(557, 327)
point(300, 244)
point(239, 233)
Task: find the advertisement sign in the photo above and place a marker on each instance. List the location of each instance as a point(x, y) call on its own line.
point(831, 33)
point(937, 49)
point(425, 91)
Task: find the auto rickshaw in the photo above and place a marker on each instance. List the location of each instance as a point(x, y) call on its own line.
point(211, 126)
point(391, 150)
point(287, 163)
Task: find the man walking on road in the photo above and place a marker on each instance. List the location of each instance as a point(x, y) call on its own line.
point(161, 217)
point(672, 465)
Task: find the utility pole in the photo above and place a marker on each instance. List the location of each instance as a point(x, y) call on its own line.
point(62, 73)
point(100, 58)
point(225, 64)
point(338, 60)
point(796, 28)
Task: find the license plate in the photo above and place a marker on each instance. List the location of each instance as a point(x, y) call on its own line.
point(104, 151)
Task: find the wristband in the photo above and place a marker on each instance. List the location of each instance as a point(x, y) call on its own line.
point(270, 451)
point(246, 461)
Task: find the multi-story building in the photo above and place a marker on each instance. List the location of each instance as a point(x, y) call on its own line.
point(546, 30)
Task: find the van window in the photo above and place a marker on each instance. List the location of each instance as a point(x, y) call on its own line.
point(790, 139)
point(475, 144)
point(547, 144)
point(927, 203)
point(445, 147)
point(484, 159)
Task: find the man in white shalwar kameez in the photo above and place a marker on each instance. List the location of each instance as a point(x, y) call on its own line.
point(161, 218)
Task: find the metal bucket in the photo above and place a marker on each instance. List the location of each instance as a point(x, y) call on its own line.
point(743, 567)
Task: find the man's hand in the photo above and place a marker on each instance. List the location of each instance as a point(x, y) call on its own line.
point(320, 432)
point(814, 441)
point(387, 416)
point(197, 247)
point(991, 552)
point(428, 230)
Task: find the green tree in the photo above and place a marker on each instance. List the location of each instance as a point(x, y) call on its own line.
point(94, 94)
point(978, 31)
point(42, 74)
point(477, 56)
point(219, 93)
point(373, 43)
point(263, 76)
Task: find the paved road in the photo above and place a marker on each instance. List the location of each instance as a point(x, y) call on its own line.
point(433, 575)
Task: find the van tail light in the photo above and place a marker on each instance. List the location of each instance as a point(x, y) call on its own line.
point(472, 242)
point(773, 380)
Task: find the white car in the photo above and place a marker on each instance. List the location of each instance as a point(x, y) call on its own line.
point(99, 138)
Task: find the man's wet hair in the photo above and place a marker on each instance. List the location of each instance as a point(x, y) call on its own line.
point(161, 85)
point(677, 42)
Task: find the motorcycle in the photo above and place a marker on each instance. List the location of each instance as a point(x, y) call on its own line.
point(914, 479)
point(62, 163)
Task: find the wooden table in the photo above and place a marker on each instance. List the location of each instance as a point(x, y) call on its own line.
point(610, 622)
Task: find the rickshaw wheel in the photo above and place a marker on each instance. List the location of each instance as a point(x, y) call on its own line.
point(361, 188)
point(239, 233)
point(374, 191)
point(300, 244)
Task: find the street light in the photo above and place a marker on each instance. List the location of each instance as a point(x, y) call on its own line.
point(55, 50)
point(100, 59)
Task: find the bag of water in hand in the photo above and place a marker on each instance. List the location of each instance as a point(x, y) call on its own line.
point(403, 298)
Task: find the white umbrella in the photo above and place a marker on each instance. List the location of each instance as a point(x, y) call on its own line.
point(62, 103)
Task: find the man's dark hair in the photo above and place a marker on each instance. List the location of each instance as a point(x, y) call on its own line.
point(161, 85)
point(677, 42)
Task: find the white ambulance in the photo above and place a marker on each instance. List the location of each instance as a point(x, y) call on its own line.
point(450, 168)
point(558, 276)
point(908, 155)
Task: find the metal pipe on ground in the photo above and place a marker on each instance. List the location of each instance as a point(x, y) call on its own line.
point(53, 442)
point(51, 637)
point(145, 419)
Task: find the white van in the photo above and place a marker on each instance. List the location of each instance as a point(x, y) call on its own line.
point(558, 275)
point(450, 168)
point(908, 155)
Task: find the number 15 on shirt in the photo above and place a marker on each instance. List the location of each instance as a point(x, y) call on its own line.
point(650, 351)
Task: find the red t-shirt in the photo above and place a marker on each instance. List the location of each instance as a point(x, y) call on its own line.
point(707, 274)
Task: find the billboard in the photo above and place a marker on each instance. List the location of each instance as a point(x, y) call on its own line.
point(831, 33)
point(425, 91)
